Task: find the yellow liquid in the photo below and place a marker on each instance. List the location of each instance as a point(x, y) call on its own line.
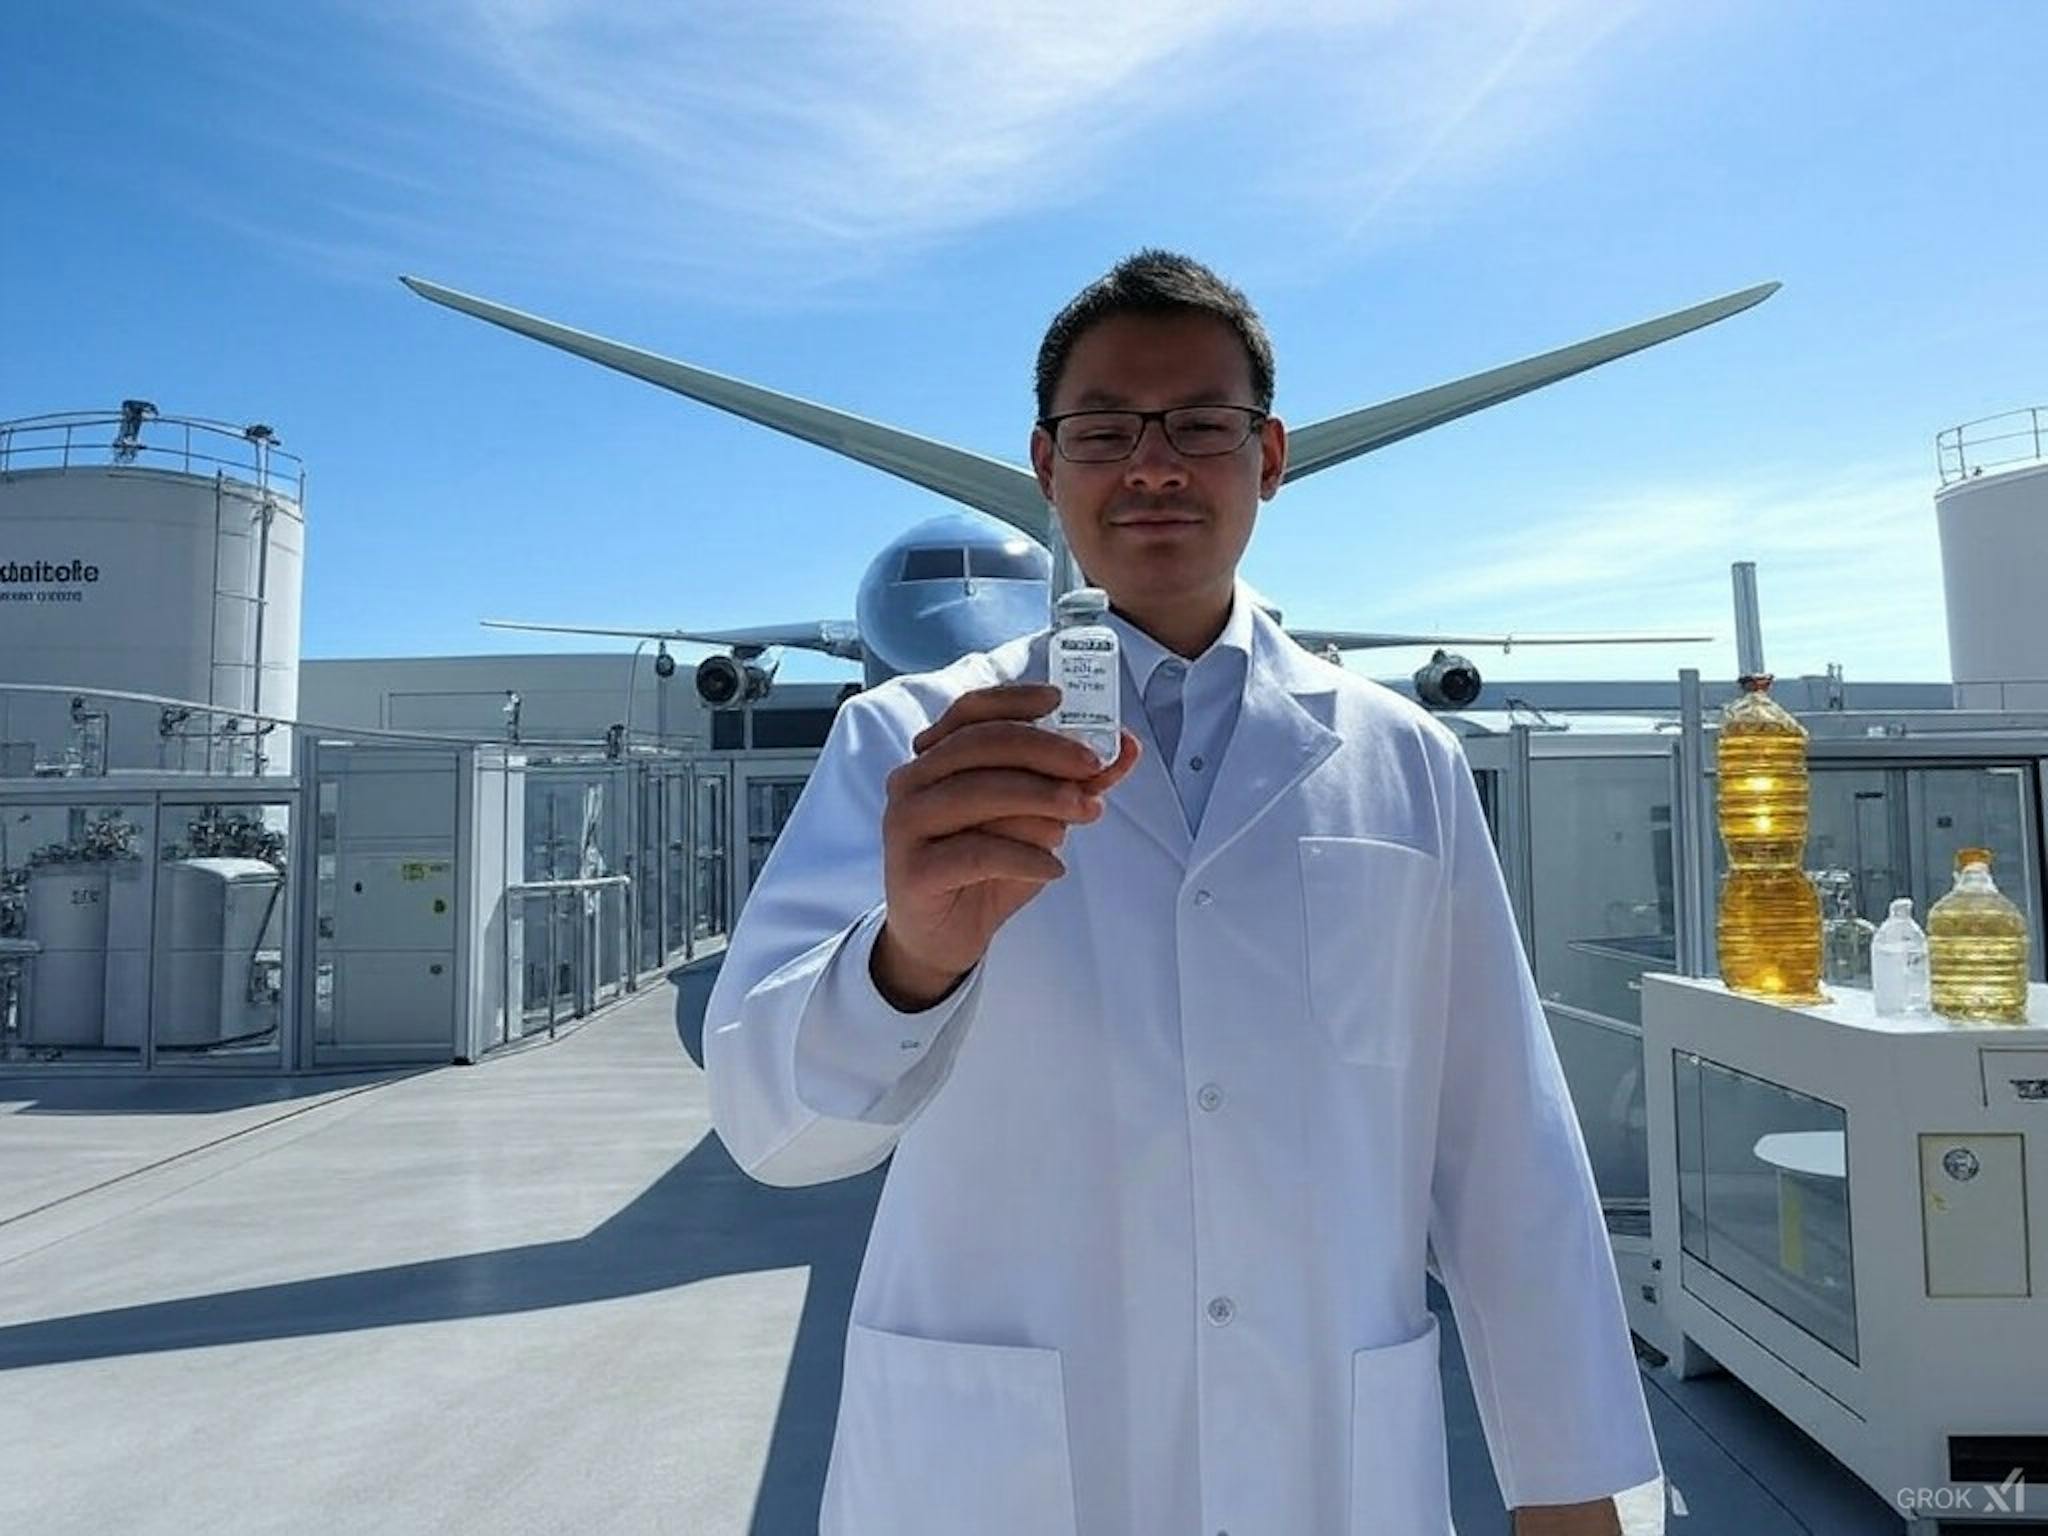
point(1763, 796)
point(1977, 958)
point(1768, 934)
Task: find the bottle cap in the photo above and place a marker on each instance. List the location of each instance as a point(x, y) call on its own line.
point(1082, 603)
point(1902, 906)
point(1965, 857)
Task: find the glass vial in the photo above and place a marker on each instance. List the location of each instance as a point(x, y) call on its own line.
point(1082, 661)
point(1845, 934)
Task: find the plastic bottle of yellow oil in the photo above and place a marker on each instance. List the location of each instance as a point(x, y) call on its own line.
point(1761, 758)
point(1768, 934)
point(1769, 926)
point(1977, 947)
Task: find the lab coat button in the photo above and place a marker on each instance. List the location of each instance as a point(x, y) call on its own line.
point(1221, 1311)
point(1203, 898)
point(1210, 1097)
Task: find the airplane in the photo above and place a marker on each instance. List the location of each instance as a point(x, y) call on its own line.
point(961, 582)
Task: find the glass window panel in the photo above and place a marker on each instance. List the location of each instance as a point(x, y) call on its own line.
point(648, 871)
point(1012, 562)
point(74, 931)
point(675, 791)
point(769, 804)
point(1764, 1195)
point(1602, 903)
point(934, 564)
point(221, 975)
point(711, 841)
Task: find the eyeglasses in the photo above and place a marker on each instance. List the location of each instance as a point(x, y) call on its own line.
point(1195, 431)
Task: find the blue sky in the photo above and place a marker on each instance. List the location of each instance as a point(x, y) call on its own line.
point(880, 203)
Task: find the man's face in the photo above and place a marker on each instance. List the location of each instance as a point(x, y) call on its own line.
point(1115, 515)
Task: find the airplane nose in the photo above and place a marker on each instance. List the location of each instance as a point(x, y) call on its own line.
point(923, 631)
point(953, 628)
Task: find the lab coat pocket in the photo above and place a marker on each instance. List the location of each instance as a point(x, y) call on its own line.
point(1367, 907)
point(1400, 1474)
point(937, 1437)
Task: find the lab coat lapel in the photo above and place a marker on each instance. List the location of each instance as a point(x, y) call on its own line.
point(1277, 743)
point(1146, 795)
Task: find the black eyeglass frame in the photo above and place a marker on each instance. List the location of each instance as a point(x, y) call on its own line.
point(1254, 419)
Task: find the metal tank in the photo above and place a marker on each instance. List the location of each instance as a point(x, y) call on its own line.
point(154, 554)
point(1992, 510)
point(221, 952)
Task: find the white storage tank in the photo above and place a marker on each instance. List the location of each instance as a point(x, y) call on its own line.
point(1992, 510)
point(67, 922)
point(160, 555)
point(220, 952)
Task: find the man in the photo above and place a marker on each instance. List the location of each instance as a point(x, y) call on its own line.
point(1186, 1063)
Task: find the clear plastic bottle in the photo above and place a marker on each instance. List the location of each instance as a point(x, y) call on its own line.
point(1083, 662)
point(1898, 964)
point(1845, 934)
point(1977, 947)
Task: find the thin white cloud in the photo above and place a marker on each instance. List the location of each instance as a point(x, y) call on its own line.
point(806, 141)
point(1848, 569)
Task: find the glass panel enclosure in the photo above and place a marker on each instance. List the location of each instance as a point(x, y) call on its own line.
point(1604, 909)
point(1763, 1194)
point(222, 970)
point(711, 919)
point(75, 916)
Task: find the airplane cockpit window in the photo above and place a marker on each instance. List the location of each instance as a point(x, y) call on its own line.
point(947, 564)
point(1014, 564)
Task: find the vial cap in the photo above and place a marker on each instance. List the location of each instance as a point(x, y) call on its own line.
point(1083, 603)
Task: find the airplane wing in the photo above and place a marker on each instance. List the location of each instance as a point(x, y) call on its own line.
point(1380, 640)
point(988, 485)
point(1011, 493)
point(1337, 438)
point(833, 637)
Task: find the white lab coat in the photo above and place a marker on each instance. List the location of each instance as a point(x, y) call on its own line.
point(1150, 1258)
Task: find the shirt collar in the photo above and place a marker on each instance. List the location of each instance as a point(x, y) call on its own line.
point(1143, 654)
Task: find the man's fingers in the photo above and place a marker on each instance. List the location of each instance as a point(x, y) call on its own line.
point(1007, 701)
point(969, 858)
point(996, 744)
point(973, 799)
point(1128, 753)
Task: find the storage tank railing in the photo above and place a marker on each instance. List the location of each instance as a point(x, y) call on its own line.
point(138, 435)
point(1993, 442)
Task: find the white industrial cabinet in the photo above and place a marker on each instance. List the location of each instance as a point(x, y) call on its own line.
point(1850, 1213)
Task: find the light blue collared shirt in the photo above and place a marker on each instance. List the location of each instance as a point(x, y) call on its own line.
point(1192, 706)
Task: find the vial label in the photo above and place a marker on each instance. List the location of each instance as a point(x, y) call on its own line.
point(1084, 666)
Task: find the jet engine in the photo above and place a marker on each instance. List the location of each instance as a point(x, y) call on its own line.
point(725, 681)
point(1448, 682)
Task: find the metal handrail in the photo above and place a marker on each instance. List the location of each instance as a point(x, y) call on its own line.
point(324, 731)
point(1960, 455)
point(58, 440)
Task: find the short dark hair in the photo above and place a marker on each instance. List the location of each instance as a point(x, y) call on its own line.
point(1155, 282)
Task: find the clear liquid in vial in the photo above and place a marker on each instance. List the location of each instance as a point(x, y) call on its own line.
point(1082, 661)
